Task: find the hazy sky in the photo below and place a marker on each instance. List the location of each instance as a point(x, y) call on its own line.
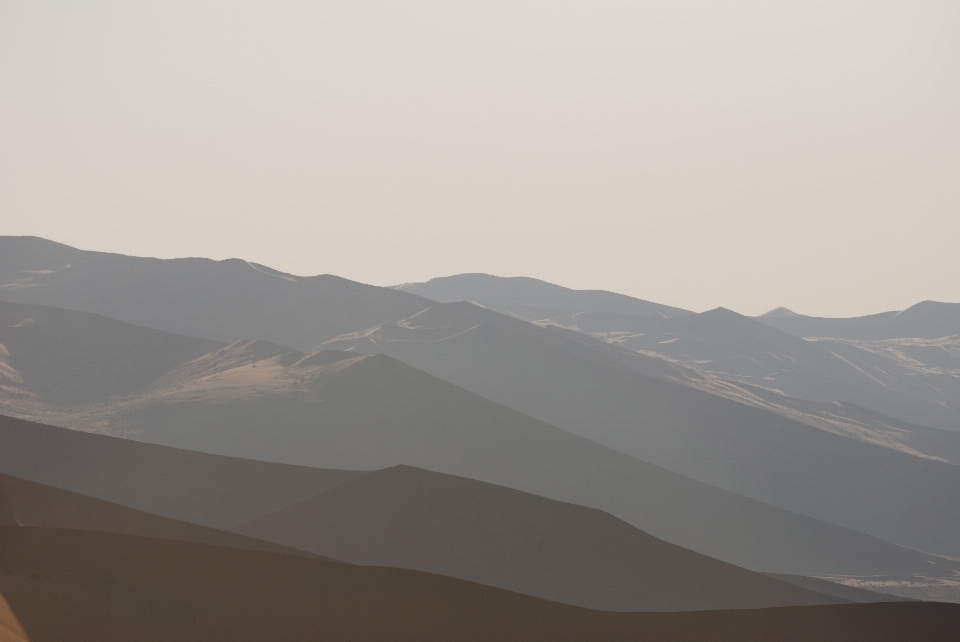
point(744, 155)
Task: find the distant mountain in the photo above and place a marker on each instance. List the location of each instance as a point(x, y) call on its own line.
point(220, 300)
point(23, 258)
point(925, 320)
point(778, 313)
point(27, 503)
point(913, 380)
point(544, 373)
point(410, 518)
point(531, 298)
point(65, 585)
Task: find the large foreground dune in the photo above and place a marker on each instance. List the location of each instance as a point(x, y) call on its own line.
point(77, 585)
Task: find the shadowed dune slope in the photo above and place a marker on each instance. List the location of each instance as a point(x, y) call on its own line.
point(222, 300)
point(894, 495)
point(196, 487)
point(75, 585)
point(411, 518)
point(26, 503)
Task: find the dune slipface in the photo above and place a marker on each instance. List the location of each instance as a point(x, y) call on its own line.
point(69, 585)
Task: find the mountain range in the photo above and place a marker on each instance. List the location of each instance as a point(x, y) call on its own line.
point(198, 449)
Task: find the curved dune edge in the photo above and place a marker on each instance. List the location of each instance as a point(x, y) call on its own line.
point(10, 629)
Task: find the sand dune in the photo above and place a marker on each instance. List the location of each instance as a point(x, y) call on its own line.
point(744, 449)
point(26, 503)
point(70, 585)
point(411, 518)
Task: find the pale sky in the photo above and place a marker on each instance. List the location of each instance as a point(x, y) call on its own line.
point(697, 155)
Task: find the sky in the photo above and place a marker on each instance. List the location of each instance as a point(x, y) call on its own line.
point(749, 155)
